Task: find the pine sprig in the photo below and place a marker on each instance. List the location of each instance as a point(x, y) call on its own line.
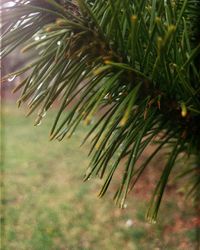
point(138, 59)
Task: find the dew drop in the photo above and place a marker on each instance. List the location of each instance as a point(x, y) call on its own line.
point(83, 73)
point(39, 86)
point(10, 4)
point(153, 221)
point(10, 79)
point(38, 122)
point(37, 38)
point(43, 37)
point(43, 113)
point(125, 205)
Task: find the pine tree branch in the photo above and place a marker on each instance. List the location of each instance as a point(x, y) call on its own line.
point(139, 60)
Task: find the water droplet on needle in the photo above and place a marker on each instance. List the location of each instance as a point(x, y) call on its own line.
point(11, 78)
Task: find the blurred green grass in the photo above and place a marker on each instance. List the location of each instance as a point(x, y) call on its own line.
point(49, 207)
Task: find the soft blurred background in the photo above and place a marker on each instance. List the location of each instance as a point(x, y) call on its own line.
point(48, 206)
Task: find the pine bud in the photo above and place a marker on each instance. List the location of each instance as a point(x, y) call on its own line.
point(134, 18)
point(107, 62)
point(183, 110)
point(158, 20)
point(159, 43)
point(60, 22)
point(124, 118)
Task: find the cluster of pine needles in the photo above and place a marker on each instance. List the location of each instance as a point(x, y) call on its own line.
point(138, 61)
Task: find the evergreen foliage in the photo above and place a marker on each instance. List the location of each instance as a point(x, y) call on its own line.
point(139, 60)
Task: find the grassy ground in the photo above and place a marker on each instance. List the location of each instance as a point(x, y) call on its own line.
point(49, 207)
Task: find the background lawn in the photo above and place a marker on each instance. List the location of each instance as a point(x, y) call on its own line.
point(49, 207)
